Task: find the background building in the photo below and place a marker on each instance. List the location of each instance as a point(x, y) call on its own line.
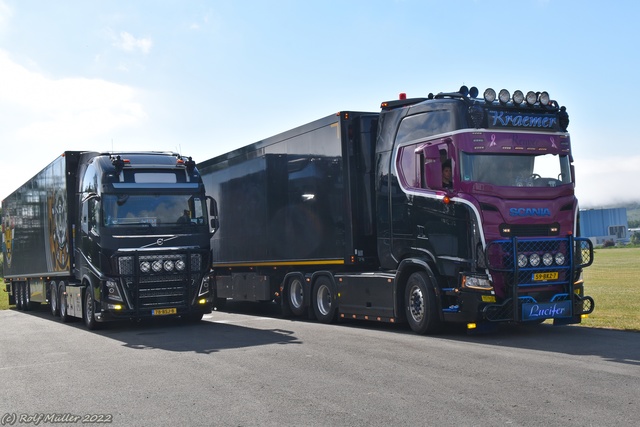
point(601, 225)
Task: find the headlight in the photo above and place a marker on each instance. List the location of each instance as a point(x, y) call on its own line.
point(518, 97)
point(560, 258)
point(489, 95)
point(476, 282)
point(145, 266)
point(547, 259)
point(504, 96)
point(534, 260)
point(522, 260)
point(113, 291)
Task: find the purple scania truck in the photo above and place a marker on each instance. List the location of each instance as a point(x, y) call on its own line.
point(349, 217)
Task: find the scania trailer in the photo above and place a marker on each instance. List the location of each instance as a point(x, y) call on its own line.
point(108, 236)
point(348, 217)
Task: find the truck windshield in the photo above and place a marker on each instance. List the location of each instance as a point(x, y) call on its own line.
point(543, 170)
point(152, 210)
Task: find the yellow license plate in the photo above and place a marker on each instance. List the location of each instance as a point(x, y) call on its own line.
point(164, 311)
point(541, 277)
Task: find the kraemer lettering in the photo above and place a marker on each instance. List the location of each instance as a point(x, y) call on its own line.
point(542, 121)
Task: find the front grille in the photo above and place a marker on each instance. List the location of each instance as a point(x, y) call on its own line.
point(159, 280)
point(153, 295)
point(534, 271)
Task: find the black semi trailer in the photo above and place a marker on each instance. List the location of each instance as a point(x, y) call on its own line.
point(104, 236)
point(348, 216)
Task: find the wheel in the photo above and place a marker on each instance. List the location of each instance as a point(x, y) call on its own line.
point(89, 309)
point(26, 301)
point(420, 304)
point(62, 291)
point(295, 296)
point(324, 304)
point(53, 299)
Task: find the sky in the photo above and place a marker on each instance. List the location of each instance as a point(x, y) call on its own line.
point(206, 77)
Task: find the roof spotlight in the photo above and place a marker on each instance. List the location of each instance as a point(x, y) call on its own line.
point(489, 95)
point(464, 90)
point(504, 96)
point(544, 98)
point(473, 92)
point(518, 97)
point(531, 97)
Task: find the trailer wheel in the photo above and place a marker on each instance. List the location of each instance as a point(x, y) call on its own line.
point(324, 304)
point(64, 316)
point(295, 296)
point(420, 304)
point(53, 298)
point(89, 310)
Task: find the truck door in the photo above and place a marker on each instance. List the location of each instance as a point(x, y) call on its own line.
point(90, 230)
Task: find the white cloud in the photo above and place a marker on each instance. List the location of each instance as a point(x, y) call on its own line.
point(5, 15)
point(607, 181)
point(40, 117)
point(129, 43)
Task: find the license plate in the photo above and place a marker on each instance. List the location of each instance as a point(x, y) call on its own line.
point(164, 311)
point(541, 277)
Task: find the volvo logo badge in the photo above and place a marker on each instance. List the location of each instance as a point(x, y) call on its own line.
point(160, 242)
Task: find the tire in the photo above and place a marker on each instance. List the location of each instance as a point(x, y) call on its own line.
point(295, 296)
point(324, 302)
point(420, 304)
point(64, 316)
point(89, 309)
point(54, 302)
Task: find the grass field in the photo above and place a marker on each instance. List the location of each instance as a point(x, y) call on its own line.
point(611, 281)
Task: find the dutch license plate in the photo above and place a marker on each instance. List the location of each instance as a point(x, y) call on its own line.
point(541, 277)
point(163, 311)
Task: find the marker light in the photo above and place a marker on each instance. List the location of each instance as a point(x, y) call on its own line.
point(504, 96)
point(518, 97)
point(402, 96)
point(489, 95)
point(531, 98)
